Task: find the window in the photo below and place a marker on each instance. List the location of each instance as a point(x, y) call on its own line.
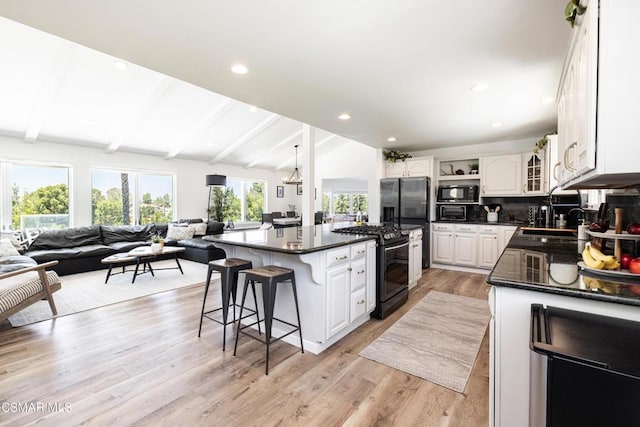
point(125, 198)
point(243, 200)
point(39, 196)
point(344, 203)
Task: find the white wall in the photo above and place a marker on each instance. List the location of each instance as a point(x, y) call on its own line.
point(352, 160)
point(192, 194)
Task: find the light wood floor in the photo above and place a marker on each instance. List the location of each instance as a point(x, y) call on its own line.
point(141, 362)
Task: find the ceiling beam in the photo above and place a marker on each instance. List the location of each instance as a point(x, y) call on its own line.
point(275, 147)
point(145, 107)
point(246, 137)
point(293, 158)
point(48, 90)
point(215, 115)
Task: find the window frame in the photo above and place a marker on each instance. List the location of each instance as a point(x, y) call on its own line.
point(242, 197)
point(6, 181)
point(137, 196)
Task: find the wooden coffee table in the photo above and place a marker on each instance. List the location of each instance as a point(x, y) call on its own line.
point(141, 255)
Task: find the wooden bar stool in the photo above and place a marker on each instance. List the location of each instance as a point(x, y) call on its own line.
point(229, 269)
point(269, 277)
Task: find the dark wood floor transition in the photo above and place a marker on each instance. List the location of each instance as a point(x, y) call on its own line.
point(141, 362)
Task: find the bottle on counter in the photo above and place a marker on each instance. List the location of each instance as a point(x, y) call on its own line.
point(359, 218)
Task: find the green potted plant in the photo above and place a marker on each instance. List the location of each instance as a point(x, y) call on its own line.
point(157, 243)
point(572, 10)
point(394, 156)
point(542, 142)
point(473, 168)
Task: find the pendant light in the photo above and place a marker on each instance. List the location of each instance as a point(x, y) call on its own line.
point(295, 178)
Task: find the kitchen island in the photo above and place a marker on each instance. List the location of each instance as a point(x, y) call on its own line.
point(536, 269)
point(335, 277)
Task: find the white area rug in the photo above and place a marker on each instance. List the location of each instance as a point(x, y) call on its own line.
point(437, 340)
point(85, 291)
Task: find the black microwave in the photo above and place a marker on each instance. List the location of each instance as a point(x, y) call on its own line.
point(457, 194)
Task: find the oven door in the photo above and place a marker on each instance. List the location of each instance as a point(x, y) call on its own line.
point(395, 276)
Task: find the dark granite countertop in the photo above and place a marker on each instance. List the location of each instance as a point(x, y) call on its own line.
point(513, 223)
point(549, 264)
point(292, 240)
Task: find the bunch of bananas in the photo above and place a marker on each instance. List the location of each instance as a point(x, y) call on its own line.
point(594, 258)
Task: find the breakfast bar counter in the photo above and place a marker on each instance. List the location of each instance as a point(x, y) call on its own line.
point(335, 277)
point(541, 269)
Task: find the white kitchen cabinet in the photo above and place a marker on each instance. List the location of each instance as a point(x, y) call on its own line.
point(415, 257)
point(465, 250)
point(442, 247)
point(371, 275)
point(419, 166)
point(505, 233)
point(535, 177)
point(487, 246)
point(469, 245)
point(338, 298)
point(599, 91)
point(347, 286)
point(501, 175)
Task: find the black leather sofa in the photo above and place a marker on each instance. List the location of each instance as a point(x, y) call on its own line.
point(81, 249)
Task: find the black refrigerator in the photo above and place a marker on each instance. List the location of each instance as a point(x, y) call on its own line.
point(405, 201)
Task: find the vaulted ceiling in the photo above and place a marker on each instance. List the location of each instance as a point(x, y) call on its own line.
point(402, 68)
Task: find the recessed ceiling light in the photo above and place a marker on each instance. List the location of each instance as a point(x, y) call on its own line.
point(392, 139)
point(548, 100)
point(496, 124)
point(239, 69)
point(480, 86)
point(120, 65)
point(344, 116)
point(253, 108)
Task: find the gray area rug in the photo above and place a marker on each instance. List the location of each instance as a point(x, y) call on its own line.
point(85, 291)
point(437, 340)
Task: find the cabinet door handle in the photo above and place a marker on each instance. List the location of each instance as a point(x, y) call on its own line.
point(350, 269)
point(524, 188)
point(568, 165)
point(483, 189)
point(361, 252)
point(341, 258)
point(555, 171)
point(360, 272)
point(360, 302)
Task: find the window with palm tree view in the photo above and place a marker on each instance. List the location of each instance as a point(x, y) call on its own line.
point(125, 198)
point(241, 201)
point(39, 196)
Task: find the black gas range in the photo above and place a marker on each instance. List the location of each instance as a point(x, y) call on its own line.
point(392, 271)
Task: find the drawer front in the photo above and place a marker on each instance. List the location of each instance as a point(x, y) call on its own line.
point(416, 234)
point(488, 229)
point(442, 227)
point(466, 228)
point(358, 274)
point(358, 304)
point(358, 251)
point(338, 256)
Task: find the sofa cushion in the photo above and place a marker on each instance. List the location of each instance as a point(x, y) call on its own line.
point(177, 232)
point(214, 227)
point(7, 248)
point(16, 289)
point(199, 229)
point(68, 253)
point(67, 238)
point(127, 233)
point(17, 262)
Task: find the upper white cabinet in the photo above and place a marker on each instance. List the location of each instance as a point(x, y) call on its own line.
point(597, 103)
point(535, 177)
point(501, 175)
point(419, 166)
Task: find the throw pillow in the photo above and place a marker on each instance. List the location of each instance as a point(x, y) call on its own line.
point(199, 229)
point(7, 248)
point(179, 233)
